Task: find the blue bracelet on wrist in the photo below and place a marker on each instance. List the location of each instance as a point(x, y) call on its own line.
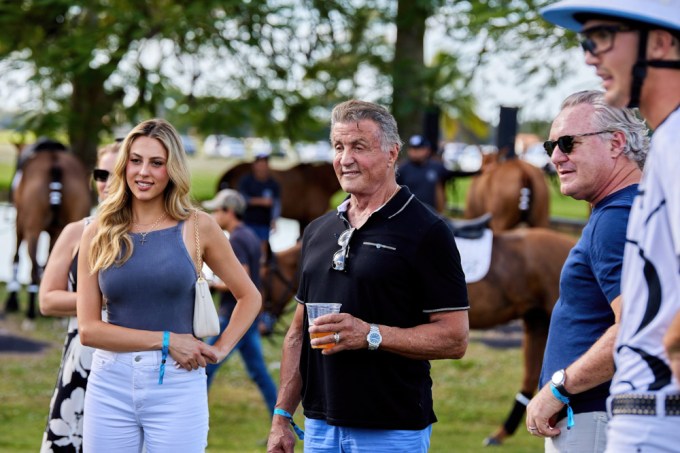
point(300, 433)
point(564, 400)
point(164, 355)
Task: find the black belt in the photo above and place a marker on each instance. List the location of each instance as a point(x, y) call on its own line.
point(636, 404)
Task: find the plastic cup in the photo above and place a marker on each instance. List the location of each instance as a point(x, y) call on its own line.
point(314, 310)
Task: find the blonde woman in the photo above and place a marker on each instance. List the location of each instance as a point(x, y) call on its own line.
point(64, 429)
point(148, 384)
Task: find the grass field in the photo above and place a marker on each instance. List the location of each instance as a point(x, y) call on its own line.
point(472, 395)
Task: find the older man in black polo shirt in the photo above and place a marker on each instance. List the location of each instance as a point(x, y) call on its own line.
point(393, 265)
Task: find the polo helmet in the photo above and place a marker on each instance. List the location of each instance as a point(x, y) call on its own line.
point(658, 13)
point(650, 14)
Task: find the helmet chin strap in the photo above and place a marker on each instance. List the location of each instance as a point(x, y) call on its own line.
point(640, 69)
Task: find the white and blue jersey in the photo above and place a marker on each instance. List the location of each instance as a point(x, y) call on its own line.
point(651, 271)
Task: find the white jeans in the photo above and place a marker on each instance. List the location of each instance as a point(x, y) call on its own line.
point(126, 408)
point(588, 435)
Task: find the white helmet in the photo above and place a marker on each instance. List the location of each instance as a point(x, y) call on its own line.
point(661, 13)
point(664, 14)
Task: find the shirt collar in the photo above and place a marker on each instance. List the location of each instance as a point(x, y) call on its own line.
point(390, 209)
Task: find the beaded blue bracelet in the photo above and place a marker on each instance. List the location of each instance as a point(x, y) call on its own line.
point(564, 400)
point(300, 433)
point(164, 355)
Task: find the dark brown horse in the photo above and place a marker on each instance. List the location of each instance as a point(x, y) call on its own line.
point(513, 191)
point(522, 283)
point(54, 190)
point(305, 189)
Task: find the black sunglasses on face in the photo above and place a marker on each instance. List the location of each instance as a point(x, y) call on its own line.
point(566, 142)
point(100, 175)
point(340, 257)
point(600, 38)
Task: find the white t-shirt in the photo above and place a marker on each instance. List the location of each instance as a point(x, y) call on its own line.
point(651, 270)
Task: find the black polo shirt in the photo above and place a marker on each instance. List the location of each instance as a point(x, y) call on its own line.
point(403, 264)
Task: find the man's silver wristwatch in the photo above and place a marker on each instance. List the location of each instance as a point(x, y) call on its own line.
point(374, 338)
point(558, 379)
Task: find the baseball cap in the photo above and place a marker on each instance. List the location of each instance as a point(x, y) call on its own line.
point(226, 198)
point(261, 155)
point(418, 141)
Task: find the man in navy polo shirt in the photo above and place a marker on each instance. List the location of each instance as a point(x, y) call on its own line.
point(598, 152)
point(423, 175)
point(393, 265)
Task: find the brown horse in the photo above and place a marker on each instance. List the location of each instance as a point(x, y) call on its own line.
point(305, 189)
point(513, 191)
point(53, 191)
point(522, 283)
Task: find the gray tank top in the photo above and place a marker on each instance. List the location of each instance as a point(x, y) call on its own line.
point(154, 289)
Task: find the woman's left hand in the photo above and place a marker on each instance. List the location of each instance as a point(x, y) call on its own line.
point(189, 352)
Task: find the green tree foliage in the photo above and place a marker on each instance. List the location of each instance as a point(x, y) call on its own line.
point(260, 67)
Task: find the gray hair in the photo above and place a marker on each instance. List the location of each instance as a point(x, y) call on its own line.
point(354, 111)
point(616, 119)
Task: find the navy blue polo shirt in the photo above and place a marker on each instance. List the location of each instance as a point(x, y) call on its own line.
point(422, 178)
point(402, 266)
point(590, 281)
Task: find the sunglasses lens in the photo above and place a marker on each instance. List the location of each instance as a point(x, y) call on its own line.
point(100, 175)
point(589, 45)
point(566, 143)
point(549, 146)
point(339, 260)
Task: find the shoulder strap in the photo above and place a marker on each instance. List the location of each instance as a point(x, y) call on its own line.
point(199, 255)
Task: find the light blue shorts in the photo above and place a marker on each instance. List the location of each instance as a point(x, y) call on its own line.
point(320, 437)
point(125, 407)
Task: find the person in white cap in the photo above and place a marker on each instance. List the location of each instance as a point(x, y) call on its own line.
point(634, 46)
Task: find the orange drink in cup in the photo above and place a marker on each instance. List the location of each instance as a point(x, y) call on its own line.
point(314, 310)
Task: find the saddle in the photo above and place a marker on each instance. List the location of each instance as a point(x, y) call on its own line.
point(472, 228)
point(474, 240)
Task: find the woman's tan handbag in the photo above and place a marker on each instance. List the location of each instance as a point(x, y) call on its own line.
point(206, 321)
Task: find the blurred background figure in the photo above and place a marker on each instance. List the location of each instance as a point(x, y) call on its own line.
point(57, 296)
point(228, 208)
point(263, 200)
point(422, 175)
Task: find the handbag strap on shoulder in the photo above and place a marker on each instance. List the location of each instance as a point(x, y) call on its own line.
point(199, 255)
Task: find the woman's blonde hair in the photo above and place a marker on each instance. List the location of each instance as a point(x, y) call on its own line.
point(111, 244)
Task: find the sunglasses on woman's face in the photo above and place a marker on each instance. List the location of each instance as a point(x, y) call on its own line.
point(566, 142)
point(100, 175)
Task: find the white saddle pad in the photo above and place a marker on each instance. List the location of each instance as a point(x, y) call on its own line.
point(475, 256)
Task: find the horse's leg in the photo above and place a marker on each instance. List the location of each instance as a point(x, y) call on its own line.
point(13, 286)
point(32, 242)
point(536, 322)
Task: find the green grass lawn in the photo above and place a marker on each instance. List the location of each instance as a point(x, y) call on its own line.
point(472, 396)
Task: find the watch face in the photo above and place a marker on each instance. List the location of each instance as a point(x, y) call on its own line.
point(374, 337)
point(558, 377)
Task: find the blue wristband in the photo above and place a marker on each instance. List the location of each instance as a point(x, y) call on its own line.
point(300, 433)
point(164, 355)
point(564, 400)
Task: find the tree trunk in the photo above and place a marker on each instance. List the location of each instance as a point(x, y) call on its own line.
point(89, 105)
point(408, 97)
